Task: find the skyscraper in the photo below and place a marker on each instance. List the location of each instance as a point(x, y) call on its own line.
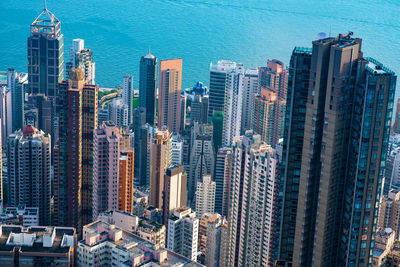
point(5, 114)
point(127, 96)
point(175, 184)
point(252, 203)
point(169, 95)
point(16, 83)
point(125, 180)
point(233, 104)
point(333, 179)
point(73, 153)
point(269, 104)
point(218, 85)
point(205, 196)
point(199, 105)
point(396, 125)
point(250, 88)
point(222, 178)
point(160, 162)
point(29, 165)
point(201, 163)
point(148, 86)
point(45, 55)
point(119, 113)
point(106, 149)
point(267, 115)
point(81, 57)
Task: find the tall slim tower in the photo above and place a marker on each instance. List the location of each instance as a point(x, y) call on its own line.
point(218, 85)
point(81, 57)
point(250, 88)
point(160, 161)
point(252, 205)
point(127, 96)
point(175, 184)
point(45, 55)
point(73, 159)
point(201, 163)
point(169, 98)
point(106, 149)
point(332, 180)
point(29, 165)
point(233, 104)
point(125, 180)
point(222, 178)
point(267, 115)
point(148, 86)
point(205, 196)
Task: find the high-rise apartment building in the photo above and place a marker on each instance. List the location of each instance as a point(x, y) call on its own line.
point(396, 125)
point(205, 220)
point(73, 153)
point(392, 171)
point(182, 233)
point(45, 55)
point(125, 180)
point(177, 149)
point(205, 196)
point(175, 184)
point(251, 215)
point(29, 167)
point(16, 83)
point(340, 103)
point(119, 113)
point(218, 85)
point(127, 96)
point(169, 95)
point(389, 212)
point(106, 149)
point(160, 162)
point(201, 162)
point(233, 104)
point(215, 237)
point(250, 88)
point(222, 178)
point(269, 104)
point(199, 105)
point(148, 86)
point(81, 57)
point(268, 115)
point(6, 114)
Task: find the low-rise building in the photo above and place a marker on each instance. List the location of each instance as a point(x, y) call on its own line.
point(384, 240)
point(105, 244)
point(37, 246)
point(20, 215)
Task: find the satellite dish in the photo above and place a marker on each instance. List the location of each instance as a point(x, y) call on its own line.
point(321, 35)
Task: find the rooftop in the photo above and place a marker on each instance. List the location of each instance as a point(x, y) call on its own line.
point(377, 68)
point(37, 239)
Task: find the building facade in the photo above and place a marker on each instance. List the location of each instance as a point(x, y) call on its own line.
point(29, 171)
point(169, 97)
point(348, 107)
point(148, 86)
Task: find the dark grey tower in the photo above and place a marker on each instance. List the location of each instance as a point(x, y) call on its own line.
point(45, 55)
point(148, 86)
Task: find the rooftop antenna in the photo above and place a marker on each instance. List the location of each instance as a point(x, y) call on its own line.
point(330, 30)
point(149, 51)
point(45, 5)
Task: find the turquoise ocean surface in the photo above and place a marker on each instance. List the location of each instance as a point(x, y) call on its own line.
point(200, 31)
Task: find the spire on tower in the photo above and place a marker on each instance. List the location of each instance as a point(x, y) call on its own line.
point(45, 5)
